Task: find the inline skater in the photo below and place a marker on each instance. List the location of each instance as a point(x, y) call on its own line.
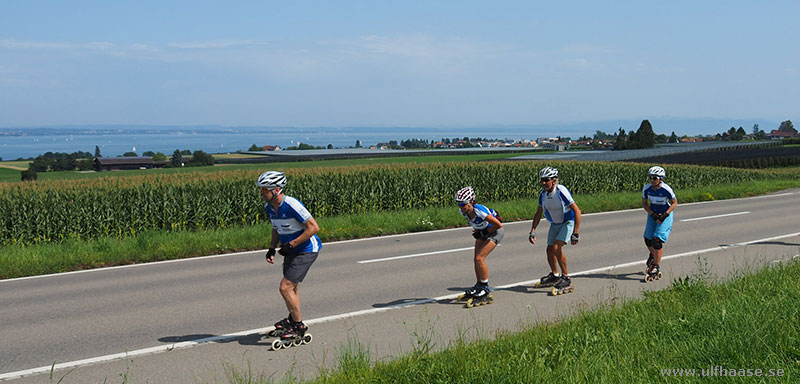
point(487, 229)
point(556, 202)
point(658, 200)
point(296, 230)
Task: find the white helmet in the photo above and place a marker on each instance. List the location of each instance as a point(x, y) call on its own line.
point(548, 172)
point(657, 171)
point(465, 195)
point(271, 180)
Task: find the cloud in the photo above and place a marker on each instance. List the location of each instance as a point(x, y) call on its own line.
point(218, 44)
point(15, 44)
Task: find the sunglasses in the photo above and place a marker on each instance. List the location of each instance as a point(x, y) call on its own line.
point(654, 177)
point(462, 204)
point(546, 179)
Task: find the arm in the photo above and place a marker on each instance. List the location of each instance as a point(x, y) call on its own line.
point(273, 242)
point(311, 229)
point(537, 217)
point(574, 237)
point(496, 224)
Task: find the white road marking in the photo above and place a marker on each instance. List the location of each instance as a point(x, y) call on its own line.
point(414, 255)
point(320, 320)
point(717, 216)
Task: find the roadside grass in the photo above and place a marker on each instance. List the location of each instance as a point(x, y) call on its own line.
point(745, 324)
point(77, 254)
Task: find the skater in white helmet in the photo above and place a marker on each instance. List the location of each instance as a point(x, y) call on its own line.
point(296, 230)
point(556, 202)
point(487, 229)
point(658, 200)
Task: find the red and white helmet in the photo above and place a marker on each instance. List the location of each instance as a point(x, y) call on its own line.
point(465, 195)
point(657, 171)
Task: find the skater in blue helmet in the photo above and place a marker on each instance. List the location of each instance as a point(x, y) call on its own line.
point(658, 200)
point(487, 229)
point(557, 205)
point(296, 230)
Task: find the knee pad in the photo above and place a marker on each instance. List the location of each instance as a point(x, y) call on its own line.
point(648, 242)
point(657, 243)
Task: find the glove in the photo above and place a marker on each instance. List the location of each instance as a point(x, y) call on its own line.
point(286, 250)
point(664, 216)
point(270, 255)
point(655, 216)
point(574, 238)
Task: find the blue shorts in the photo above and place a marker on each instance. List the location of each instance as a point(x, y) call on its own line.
point(560, 232)
point(661, 231)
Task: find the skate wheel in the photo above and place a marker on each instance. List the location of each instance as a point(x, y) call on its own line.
point(461, 297)
point(659, 275)
point(554, 292)
point(537, 284)
point(297, 342)
point(307, 339)
point(277, 344)
point(470, 303)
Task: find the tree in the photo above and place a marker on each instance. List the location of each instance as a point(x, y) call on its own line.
point(177, 159)
point(358, 143)
point(130, 154)
point(97, 151)
point(200, 158)
point(673, 138)
point(787, 126)
point(645, 137)
point(755, 129)
point(148, 154)
point(622, 140)
point(741, 133)
point(330, 146)
point(254, 148)
point(29, 175)
point(159, 157)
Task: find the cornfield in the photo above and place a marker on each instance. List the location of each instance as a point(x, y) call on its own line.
point(55, 211)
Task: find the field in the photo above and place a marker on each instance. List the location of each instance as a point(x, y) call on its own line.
point(754, 156)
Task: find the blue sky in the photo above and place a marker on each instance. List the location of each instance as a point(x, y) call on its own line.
point(376, 63)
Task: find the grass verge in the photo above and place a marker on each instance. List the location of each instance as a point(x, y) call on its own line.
point(78, 254)
point(746, 327)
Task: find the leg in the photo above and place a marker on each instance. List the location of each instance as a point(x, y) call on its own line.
point(482, 249)
point(551, 259)
point(291, 296)
point(558, 252)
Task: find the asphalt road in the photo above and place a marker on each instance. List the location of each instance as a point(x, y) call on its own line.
point(96, 314)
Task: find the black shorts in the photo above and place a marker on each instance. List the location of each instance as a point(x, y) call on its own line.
point(296, 266)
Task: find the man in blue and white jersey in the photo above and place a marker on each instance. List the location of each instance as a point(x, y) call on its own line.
point(658, 200)
point(296, 230)
point(556, 202)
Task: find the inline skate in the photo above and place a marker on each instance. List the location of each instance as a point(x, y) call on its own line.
point(564, 285)
point(546, 281)
point(477, 295)
point(653, 273)
point(650, 261)
point(293, 336)
point(281, 327)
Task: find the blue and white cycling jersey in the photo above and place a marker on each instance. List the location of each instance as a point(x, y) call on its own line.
point(289, 220)
point(659, 198)
point(556, 204)
point(481, 212)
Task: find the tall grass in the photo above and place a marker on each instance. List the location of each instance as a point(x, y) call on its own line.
point(83, 209)
point(750, 323)
point(155, 245)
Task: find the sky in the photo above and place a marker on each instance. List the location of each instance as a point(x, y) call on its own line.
point(402, 63)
